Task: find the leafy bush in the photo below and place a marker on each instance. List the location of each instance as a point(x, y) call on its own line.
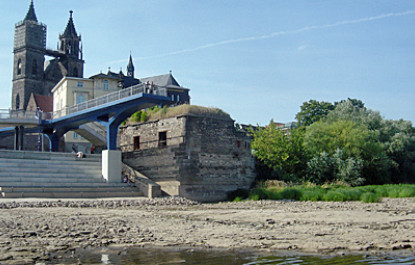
point(258, 194)
point(324, 168)
point(350, 194)
point(407, 192)
point(143, 116)
point(254, 197)
point(333, 196)
point(238, 199)
point(291, 194)
point(312, 195)
point(369, 197)
point(136, 117)
point(331, 193)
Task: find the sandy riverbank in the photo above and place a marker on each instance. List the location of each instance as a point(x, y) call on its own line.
point(30, 230)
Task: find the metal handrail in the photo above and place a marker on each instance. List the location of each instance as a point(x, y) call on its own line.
point(110, 97)
point(18, 114)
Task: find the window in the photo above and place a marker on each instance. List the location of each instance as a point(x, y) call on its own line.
point(162, 139)
point(136, 143)
point(105, 84)
point(34, 67)
point(75, 135)
point(178, 98)
point(17, 101)
point(80, 84)
point(19, 67)
point(80, 98)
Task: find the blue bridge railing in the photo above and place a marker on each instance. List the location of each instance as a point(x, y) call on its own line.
point(110, 97)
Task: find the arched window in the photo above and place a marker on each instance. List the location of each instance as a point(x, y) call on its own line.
point(69, 48)
point(75, 72)
point(80, 98)
point(34, 67)
point(19, 67)
point(17, 101)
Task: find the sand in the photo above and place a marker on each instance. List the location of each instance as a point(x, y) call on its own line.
point(33, 230)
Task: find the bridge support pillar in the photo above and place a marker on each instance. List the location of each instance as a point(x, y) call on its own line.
point(54, 140)
point(19, 138)
point(112, 131)
point(111, 166)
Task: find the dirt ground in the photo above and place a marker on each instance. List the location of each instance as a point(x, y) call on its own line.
point(32, 230)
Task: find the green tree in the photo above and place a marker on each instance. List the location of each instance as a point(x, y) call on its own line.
point(313, 111)
point(399, 139)
point(280, 150)
point(356, 141)
point(324, 168)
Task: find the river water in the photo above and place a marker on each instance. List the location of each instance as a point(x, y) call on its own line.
point(189, 256)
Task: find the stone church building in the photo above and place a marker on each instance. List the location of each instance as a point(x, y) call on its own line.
point(34, 76)
point(31, 73)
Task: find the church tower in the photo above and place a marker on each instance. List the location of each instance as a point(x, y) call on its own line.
point(29, 56)
point(130, 67)
point(70, 45)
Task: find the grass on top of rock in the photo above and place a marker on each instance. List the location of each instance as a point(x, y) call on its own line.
point(307, 192)
point(157, 113)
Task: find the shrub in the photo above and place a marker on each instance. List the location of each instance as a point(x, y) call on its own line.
point(393, 192)
point(407, 192)
point(312, 195)
point(350, 194)
point(254, 197)
point(136, 116)
point(143, 116)
point(258, 194)
point(369, 197)
point(273, 194)
point(237, 199)
point(333, 196)
point(291, 194)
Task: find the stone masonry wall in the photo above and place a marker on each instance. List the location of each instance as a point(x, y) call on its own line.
point(204, 159)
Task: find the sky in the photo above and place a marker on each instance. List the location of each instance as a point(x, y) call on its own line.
point(255, 59)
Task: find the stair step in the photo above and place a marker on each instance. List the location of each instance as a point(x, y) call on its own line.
point(49, 172)
point(4, 185)
point(69, 189)
point(56, 175)
point(97, 194)
point(27, 155)
point(80, 162)
point(37, 179)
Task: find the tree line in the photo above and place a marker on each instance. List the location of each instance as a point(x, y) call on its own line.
point(337, 142)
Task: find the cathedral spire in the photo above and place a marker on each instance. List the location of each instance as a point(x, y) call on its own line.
point(31, 15)
point(130, 67)
point(70, 27)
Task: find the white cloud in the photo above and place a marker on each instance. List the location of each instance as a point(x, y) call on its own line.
point(302, 47)
point(277, 34)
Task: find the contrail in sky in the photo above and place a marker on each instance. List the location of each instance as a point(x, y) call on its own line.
point(279, 33)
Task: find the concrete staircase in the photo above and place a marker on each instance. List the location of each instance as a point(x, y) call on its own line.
point(26, 174)
point(94, 133)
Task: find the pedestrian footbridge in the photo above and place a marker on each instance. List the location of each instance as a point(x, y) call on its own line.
point(109, 110)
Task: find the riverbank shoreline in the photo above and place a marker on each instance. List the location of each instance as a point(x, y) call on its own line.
point(31, 230)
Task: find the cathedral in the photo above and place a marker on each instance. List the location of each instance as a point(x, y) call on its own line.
point(34, 77)
point(31, 73)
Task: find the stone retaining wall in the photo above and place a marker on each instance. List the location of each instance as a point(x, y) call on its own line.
point(203, 158)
